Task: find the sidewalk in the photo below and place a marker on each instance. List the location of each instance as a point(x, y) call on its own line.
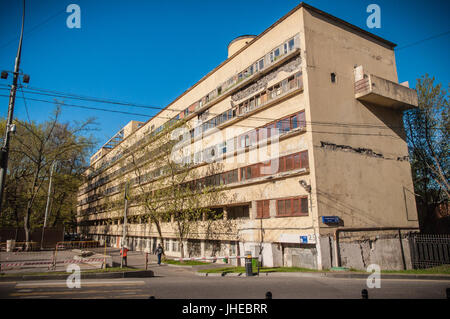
point(136, 259)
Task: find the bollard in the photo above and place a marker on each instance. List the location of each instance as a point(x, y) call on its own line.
point(447, 291)
point(364, 294)
point(268, 295)
point(248, 264)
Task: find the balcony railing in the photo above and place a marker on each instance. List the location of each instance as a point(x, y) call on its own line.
point(378, 91)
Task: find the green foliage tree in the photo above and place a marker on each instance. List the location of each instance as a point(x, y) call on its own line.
point(427, 128)
point(34, 148)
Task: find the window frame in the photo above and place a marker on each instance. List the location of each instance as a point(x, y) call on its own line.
point(287, 203)
point(263, 209)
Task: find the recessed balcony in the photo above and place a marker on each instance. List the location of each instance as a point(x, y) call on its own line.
point(378, 91)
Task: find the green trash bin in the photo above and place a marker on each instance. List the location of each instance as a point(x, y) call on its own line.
point(255, 264)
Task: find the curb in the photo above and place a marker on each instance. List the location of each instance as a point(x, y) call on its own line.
point(329, 275)
point(123, 274)
point(180, 266)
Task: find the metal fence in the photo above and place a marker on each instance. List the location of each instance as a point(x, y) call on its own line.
point(429, 250)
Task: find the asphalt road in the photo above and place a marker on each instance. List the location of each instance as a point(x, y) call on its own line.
point(177, 283)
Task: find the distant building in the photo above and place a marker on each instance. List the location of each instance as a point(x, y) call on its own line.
point(331, 90)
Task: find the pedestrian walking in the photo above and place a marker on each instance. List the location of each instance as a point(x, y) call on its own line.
point(124, 252)
point(159, 252)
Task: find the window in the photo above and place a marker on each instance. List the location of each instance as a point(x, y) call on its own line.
point(251, 104)
point(285, 127)
point(263, 209)
point(333, 77)
point(262, 134)
point(297, 161)
point(247, 141)
point(281, 164)
point(280, 208)
point(291, 44)
point(261, 64)
point(258, 100)
point(297, 206)
point(277, 52)
point(294, 121)
point(278, 89)
point(304, 159)
point(279, 126)
point(285, 48)
point(304, 205)
point(291, 82)
point(254, 170)
point(289, 162)
point(242, 173)
point(301, 119)
point(175, 246)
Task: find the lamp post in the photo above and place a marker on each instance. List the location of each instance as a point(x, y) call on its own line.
point(10, 127)
point(126, 197)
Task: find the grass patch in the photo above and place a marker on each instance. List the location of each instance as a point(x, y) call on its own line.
point(184, 263)
point(53, 273)
point(442, 270)
point(262, 270)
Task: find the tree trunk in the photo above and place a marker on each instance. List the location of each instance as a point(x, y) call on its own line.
point(181, 248)
point(26, 227)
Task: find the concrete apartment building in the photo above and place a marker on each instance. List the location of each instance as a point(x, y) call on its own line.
point(342, 194)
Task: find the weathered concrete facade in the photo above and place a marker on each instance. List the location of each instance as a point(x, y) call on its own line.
point(332, 90)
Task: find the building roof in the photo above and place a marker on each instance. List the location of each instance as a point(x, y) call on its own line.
point(339, 22)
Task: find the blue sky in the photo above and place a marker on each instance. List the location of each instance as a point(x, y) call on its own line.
point(150, 52)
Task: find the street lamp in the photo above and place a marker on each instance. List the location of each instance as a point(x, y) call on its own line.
point(12, 98)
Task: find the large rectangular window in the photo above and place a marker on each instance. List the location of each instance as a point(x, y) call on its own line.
point(296, 206)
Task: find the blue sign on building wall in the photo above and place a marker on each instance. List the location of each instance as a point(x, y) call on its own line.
point(330, 219)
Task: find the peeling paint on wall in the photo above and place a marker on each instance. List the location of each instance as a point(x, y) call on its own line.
point(360, 150)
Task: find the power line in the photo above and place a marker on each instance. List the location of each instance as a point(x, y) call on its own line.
point(123, 103)
point(423, 40)
point(25, 103)
point(33, 28)
point(86, 98)
point(86, 107)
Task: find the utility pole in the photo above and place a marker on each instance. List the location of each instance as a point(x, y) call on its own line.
point(124, 234)
point(48, 201)
point(10, 127)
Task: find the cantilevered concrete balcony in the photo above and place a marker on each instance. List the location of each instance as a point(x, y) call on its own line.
point(378, 91)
